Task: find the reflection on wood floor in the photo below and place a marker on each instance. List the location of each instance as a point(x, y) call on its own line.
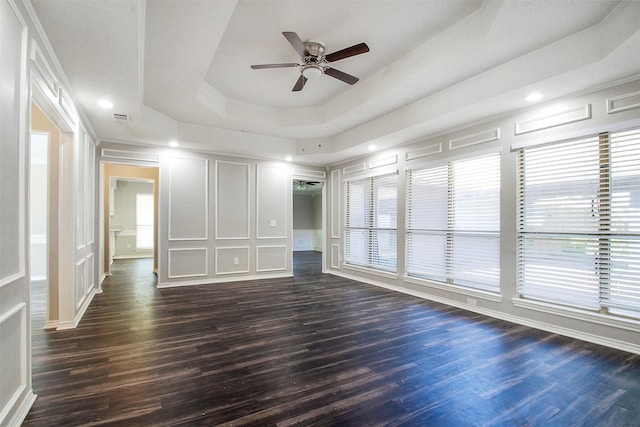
point(314, 350)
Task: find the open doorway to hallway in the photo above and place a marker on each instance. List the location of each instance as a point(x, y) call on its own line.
point(44, 185)
point(129, 214)
point(308, 225)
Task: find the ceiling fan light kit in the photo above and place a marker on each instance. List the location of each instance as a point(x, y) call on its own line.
point(314, 63)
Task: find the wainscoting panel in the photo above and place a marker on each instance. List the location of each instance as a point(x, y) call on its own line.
point(12, 336)
point(271, 258)
point(80, 289)
point(232, 200)
point(232, 260)
point(187, 262)
point(335, 256)
point(188, 199)
point(273, 202)
point(336, 203)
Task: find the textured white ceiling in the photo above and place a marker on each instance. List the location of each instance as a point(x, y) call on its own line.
point(180, 69)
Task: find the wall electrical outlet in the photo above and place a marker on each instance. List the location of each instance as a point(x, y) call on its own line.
point(236, 261)
point(274, 222)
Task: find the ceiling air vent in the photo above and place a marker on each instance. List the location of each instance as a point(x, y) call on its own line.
point(121, 118)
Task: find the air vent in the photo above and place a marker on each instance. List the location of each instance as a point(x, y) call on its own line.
point(121, 118)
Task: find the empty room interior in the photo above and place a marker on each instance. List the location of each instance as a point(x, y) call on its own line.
point(278, 212)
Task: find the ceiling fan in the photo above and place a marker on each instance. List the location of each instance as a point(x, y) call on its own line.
point(314, 61)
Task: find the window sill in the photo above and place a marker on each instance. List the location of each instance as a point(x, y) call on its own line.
point(381, 273)
point(578, 314)
point(489, 296)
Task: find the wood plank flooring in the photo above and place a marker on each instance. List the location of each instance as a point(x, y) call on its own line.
point(314, 350)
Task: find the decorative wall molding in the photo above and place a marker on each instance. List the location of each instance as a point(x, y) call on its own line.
point(187, 262)
point(563, 117)
point(130, 155)
point(273, 199)
point(358, 167)
point(188, 216)
point(230, 201)
point(243, 260)
point(14, 378)
point(335, 256)
point(336, 203)
point(80, 292)
point(309, 173)
point(628, 101)
point(68, 108)
point(482, 137)
point(429, 150)
point(44, 71)
point(385, 161)
point(271, 258)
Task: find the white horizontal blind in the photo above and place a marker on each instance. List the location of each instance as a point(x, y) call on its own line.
point(453, 223)
point(559, 186)
point(371, 222)
point(622, 291)
point(579, 223)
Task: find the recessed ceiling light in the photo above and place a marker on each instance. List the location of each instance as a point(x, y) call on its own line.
point(105, 103)
point(372, 148)
point(174, 144)
point(535, 96)
point(288, 158)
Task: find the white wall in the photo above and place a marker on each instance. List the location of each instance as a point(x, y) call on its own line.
point(615, 107)
point(221, 218)
point(31, 72)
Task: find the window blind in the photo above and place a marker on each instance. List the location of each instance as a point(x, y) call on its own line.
point(453, 223)
point(371, 222)
point(579, 223)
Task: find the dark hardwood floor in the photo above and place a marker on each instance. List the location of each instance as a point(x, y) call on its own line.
point(315, 350)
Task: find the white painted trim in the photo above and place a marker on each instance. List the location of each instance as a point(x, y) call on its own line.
point(217, 201)
point(476, 293)
point(336, 204)
point(576, 313)
point(206, 262)
point(559, 118)
point(612, 109)
point(481, 137)
point(19, 310)
point(357, 167)
point(284, 212)
point(170, 237)
point(112, 153)
point(284, 250)
point(596, 339)
point(423, 152)
point(22, 410)
point(381, 273)
point(217, 272)
point(214, 280)
point(335, 251)
point(386, 161)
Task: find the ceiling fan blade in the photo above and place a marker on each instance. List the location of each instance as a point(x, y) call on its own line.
point(299, 84)
point(284, 65)
point(354, 50)
point(296, 42)
point(340, 75)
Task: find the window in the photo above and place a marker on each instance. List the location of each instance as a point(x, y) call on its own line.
point(371, 222)
point(144, 221)
point(579, 223)
point(453, 223)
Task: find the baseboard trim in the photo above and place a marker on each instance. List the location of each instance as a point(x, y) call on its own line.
point(79, 315)
point(214, 280)
point(22, 410)
point(547, 327)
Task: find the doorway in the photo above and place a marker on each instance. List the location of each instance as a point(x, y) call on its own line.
point(128, 214)
point(44, 185)
point(308, 224)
